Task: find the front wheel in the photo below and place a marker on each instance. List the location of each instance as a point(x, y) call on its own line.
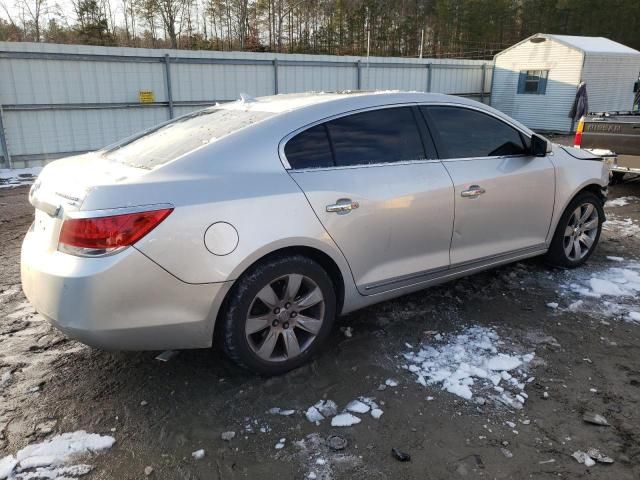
point(278, 315)
point(578, 232)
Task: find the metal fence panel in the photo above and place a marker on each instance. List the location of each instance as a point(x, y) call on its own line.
point(56, 100)
point(299, 78)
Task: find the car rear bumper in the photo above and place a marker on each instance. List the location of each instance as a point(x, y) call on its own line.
point(119, 302)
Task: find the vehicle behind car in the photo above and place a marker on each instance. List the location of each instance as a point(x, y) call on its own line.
point(613, 135)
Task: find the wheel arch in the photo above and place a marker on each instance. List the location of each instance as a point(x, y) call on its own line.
point(340, 278)
point(591, 186)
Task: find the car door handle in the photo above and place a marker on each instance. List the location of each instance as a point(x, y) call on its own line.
point(342, 206)
point(473, 191)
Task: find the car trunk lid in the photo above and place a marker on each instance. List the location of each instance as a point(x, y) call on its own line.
point(63, 186)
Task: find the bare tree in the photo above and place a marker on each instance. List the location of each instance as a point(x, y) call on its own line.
point(283, 12)
point(31, 13)
point(171, 12)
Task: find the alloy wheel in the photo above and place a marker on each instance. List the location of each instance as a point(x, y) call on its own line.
point(581, 231)
point(285, 317)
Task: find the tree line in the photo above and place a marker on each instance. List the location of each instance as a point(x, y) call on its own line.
point(406, 28)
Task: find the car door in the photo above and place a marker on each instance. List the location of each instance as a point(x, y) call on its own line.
point(379, 192)
point(504, 196)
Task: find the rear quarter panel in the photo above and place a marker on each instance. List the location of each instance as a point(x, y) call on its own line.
point(240, 181)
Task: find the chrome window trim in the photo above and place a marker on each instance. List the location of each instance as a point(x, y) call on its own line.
point(494, 157)
point(77, 214)
point(367, 165)
point(289, 136)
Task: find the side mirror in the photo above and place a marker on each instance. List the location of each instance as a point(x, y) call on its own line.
point(539, 146)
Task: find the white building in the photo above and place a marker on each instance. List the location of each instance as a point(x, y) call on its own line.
point(535, 81)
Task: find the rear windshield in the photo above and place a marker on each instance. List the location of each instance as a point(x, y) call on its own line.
point(170, 140)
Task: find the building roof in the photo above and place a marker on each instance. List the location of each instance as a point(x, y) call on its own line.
point(594, 44)
point(584, 44)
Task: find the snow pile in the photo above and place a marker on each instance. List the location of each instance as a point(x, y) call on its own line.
point(621, 201)
point(328, 408)
point(610, 291)
point(626, 227)
point(470, 362)
point(344, 420)
point(41, 460)
point(198, 454)
point(321, 410)
point(281, 411)
point(356, 406)
point(18, 176)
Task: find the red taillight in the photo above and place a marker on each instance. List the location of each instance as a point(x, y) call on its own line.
point(577, 141)
point(105, 234)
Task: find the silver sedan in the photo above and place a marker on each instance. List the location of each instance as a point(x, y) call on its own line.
point(264, 219)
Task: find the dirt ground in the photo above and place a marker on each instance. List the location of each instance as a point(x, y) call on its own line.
point(587, 358)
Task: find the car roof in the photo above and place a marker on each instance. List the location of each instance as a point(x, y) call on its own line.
point(318, 105)
point(295, 101)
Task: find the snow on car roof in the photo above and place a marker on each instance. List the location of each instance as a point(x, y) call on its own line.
point(293, 101)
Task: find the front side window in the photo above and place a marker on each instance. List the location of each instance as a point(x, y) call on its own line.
point(379, 136)
point(465, 133)
point(533, 82)
point(182, 135)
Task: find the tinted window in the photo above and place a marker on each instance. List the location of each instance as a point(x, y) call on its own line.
point(309, 149)
point(467, 133)
point(378, 136)
point(170, 140)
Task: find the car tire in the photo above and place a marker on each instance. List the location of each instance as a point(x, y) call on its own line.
point(578, 232)
point(265, 311)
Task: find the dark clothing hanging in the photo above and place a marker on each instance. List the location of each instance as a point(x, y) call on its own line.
point(580, 104)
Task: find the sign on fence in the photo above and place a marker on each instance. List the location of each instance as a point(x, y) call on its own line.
point(146, 96)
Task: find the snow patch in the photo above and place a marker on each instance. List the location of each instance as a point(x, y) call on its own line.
point(620, 201)
point(356, 406)
point(470, 361)
point(10, 178)
point(344, 420)
point(198, 454)
point(609, 291)
point(621, 227)
point(55, 452)
point(321, 410)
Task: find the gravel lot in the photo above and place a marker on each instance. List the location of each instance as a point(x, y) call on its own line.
point(587, 359)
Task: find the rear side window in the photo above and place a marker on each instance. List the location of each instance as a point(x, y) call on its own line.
point(465, 133)
point(173, 139)
point(378, 136)
point(310, 149)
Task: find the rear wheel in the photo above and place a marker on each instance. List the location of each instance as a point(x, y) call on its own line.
point(578, 231)
point(278, 315)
